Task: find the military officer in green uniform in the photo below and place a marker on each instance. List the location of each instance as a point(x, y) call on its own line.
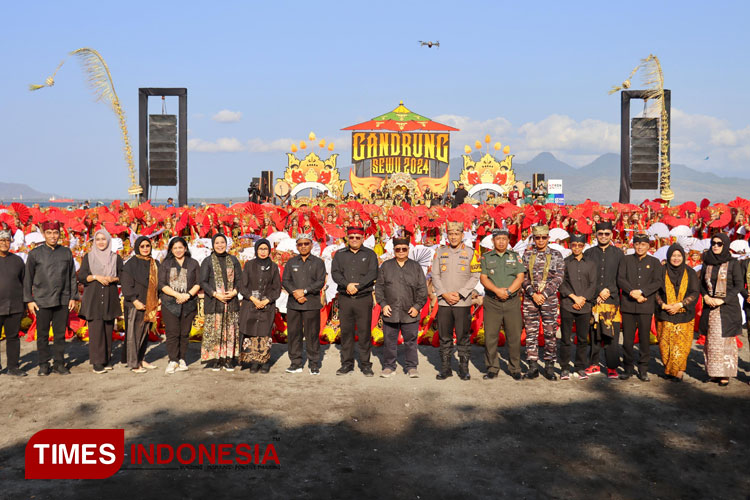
point(502, 277)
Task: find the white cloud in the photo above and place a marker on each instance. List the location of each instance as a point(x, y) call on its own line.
point(694, 137)
point(226, 116)
point(562, 133)
point(260, 146)
point(569, 140)
point(221, 145)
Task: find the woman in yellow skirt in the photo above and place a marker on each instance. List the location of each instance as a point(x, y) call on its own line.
point(675, 312)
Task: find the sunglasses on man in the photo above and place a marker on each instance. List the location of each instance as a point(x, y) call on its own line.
point(401, 249)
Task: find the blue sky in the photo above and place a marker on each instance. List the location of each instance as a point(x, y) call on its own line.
point(534, 75)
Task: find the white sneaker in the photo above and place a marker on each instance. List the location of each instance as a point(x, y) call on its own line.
point(228, 367)
point(171, 367)
point(183, 367)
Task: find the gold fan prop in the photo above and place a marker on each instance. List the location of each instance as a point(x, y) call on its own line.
point(100, 81)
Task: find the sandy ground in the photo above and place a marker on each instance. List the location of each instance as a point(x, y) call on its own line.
point(354, 436)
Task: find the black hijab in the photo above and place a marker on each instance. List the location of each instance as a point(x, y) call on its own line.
point(138, 266)
point(676, 273)
point(712, 259)
point(258, 243)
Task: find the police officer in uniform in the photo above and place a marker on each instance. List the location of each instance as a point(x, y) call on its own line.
point(544, 276)
point(304, 278)
point(354, 269)
point(455, 273)
point(502, 277)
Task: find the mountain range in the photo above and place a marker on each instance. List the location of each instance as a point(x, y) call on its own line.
point(600, 180)
point(11, 191)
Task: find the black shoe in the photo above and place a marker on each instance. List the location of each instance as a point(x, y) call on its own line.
point(626, 375)
point(533, 370)
point(367, 372)
point(99, 369)
point(345, 370)
point(254, 367)
point(444, 373)
point(44, 370)
point(490, 375)
point(16, 372)
point(265, 368)
point(463, 368)
point(61, 370)
point(643, 377)
point(516, 376)
point(549, 371)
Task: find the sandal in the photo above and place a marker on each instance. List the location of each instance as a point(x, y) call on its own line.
point(140, 369)
point(723, 382)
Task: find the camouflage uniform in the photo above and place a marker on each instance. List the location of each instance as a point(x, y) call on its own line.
point(544, 274)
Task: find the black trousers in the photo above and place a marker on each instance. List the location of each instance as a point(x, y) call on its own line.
point(136, 336)
point(582, 322)
point(631, 323)
point(448, 318)
point(611, 346)
point(355, 312)
point(178, 333)
point(410, 332)
point(303, 324)
point(100, 341)
point(12, 325)
point(505, 314)
point(57, 317)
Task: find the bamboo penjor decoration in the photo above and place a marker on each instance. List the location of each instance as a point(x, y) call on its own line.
point(653, 79)
point(100, 80)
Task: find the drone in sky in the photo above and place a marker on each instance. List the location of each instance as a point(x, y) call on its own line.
point(430, 44)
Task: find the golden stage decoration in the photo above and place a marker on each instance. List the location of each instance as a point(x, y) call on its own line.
point(488, 172)
point(100, 80)
point(365, 186)
point(653, 79)
point(312, 172)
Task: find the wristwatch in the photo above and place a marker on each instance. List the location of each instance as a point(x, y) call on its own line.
point(304, 292)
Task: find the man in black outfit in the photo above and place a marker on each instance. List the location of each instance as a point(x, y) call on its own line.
point(354, 269)
point(459, 195)
point(304, 278)
point(577, 293)
point(253, 193)
point(606, 258)
point(11, 301)
point(50, 290)
point(639, 277)
point(401, 291)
